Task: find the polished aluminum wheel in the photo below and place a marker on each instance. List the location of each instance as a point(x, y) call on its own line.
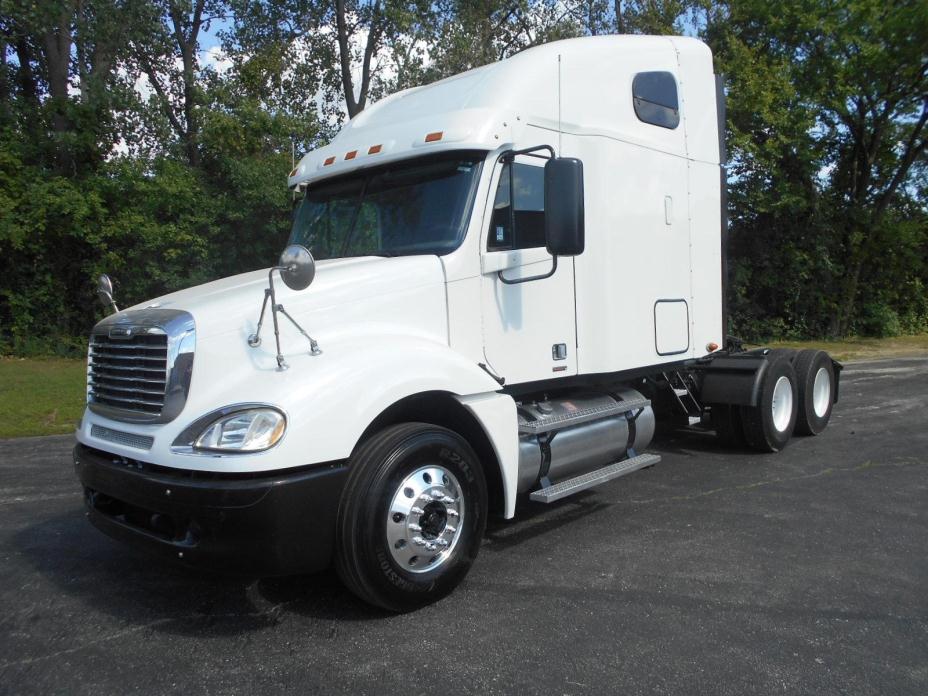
point(425, 519)
point(821, 392)
point(782, 407)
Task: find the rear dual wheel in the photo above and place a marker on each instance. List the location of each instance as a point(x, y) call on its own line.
point(816, 373)
point(769, 425)
point(797, 394)
point(411, 517)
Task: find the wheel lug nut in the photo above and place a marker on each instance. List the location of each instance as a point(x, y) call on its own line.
point(416, 510)
point(415, 528)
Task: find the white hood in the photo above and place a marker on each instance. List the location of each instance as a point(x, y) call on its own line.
point(344, 290)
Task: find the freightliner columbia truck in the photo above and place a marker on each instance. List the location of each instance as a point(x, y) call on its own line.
point(494, 287)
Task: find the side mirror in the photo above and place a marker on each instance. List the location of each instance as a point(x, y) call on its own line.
point(297, 267)
point(564, 233)
point(105, 292)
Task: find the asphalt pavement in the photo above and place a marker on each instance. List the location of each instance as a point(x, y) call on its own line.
point(714, 572)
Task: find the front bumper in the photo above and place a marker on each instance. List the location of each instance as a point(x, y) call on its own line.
point(264, 525)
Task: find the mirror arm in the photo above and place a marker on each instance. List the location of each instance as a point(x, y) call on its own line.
point(510, 155)
point(255, 339)
point(542, 276)
point(108, 301)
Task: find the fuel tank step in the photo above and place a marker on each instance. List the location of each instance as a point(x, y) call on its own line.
point(593, 478)
point(559, 421)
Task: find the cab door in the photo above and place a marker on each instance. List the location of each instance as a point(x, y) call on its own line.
point(529, 328)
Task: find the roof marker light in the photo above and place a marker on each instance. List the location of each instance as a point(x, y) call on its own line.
point(328, 161)
point(351, 155)
point(374, 149)
point(433, 137)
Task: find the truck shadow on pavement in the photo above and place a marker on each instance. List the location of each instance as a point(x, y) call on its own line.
point(146, 592)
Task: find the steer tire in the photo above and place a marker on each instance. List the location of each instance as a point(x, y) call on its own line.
point(401, 469)
point(769, 425)
point(815, 373)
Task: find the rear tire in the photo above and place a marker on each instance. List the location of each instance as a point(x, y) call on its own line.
point(726, 419)
point(769, 425)
point(411, 516)
point(815, 373)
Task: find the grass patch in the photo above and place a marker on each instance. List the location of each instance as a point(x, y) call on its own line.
point(41, 396)
point(865, 348)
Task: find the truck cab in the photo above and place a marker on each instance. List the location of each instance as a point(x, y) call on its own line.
point(494, 287)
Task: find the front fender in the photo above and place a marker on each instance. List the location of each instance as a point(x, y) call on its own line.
point(329, 413)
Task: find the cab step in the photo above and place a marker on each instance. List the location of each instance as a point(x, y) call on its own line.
point(558, 421)
point(594, 478)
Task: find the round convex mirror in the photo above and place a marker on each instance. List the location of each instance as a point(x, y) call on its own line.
point(298, 268)
point(104, 285)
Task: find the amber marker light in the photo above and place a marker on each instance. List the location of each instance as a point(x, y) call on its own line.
point(374, 149)
point(433, 137)
point(712, 347)
point(293, 173)
point(351, 155)
point(328, 161)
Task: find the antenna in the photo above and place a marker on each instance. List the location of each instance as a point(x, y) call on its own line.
point(559, 131)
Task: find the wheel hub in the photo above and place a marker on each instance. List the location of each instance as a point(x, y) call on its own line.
point(424, 519)
point(782, 407)
point(821, 392)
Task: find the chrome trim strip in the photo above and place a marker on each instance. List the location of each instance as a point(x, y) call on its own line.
point(142, 442)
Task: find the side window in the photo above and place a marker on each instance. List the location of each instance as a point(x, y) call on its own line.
point(519, 226)
point(655, 97)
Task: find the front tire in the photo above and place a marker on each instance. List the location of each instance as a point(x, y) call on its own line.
point(411, 516)
point(769, 425)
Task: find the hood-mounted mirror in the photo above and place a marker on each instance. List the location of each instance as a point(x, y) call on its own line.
point(297, 268)
point(105, 292)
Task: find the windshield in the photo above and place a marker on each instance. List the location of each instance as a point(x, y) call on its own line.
point(412, 207)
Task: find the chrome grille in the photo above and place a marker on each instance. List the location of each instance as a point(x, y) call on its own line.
point(140, 364)
point(129, 373)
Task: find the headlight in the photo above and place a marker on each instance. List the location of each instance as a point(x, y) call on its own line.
point(245, 431)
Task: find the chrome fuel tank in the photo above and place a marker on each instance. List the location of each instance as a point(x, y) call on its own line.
point(592, 443)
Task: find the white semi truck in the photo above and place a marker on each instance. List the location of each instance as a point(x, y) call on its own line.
point(495, 285)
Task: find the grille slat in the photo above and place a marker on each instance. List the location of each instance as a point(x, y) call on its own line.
point(122, 346)
point(129, 374)
point(127, 390)
point(119, 378)
point(117, 356)
point(135, 368)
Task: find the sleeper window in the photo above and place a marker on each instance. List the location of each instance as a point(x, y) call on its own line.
point(521, 226)
point(655, 98)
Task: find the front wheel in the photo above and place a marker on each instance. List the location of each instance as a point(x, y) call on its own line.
point(411, 516)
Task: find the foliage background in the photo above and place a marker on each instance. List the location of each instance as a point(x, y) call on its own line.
point(124, 150)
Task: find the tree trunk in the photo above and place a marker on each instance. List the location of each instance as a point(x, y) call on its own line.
point(619, 18)
point(58, 63)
